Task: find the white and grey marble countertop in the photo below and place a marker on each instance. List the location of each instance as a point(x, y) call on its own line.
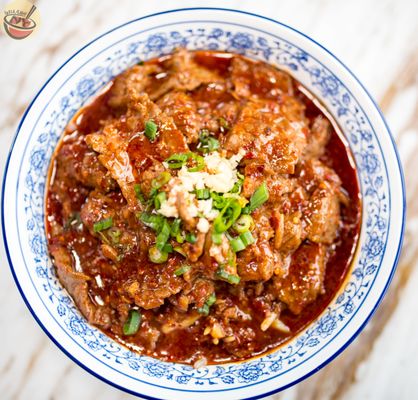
point(378, 40)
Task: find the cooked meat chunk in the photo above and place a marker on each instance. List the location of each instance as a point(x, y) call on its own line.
point(183, 110)
point(120, 150)
point(318, 137)
point(254, 79)
point(305, 280)
point(76, 284)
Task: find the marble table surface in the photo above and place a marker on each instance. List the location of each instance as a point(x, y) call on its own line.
point(378, 40)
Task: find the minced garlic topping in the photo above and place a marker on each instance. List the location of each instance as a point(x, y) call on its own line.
point(219, 175)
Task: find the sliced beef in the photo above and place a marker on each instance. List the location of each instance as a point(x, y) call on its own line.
point(181, 107)
point(76, 284)
point(251, 78)
point(305, 279)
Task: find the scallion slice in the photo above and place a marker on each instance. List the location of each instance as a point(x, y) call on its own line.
point(243, 223)
point(151, 130)
point(202, 194)
point(259, 197)
point(182, 270)
point(217, 238)
point(232, 279)
point(157, 256)
point(227, 216)
point(163, 235)
point(103, 225)
point(177, 160)
point(207, 143)
point(199, 160)
point(153, 221)
point(159, 199)
point(191, 238)
point(160, 180)
point(138, 193)
point(237, 244)
point(211, 299)
point(247, 238)
point(131, 325)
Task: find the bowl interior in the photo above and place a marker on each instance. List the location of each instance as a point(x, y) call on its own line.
point(90, 70)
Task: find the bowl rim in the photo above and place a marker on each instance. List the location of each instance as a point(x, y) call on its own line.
point(329, 358)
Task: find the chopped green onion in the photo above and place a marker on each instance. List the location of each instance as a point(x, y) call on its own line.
point(247, 238)
point(163, 235)
point(175, 227)
point(243, 223)
point(200, 162)
point(153, 221)
point(168, 248)
point(151, 130)
point(207, 143)
point(140, 63)
point(204, 310)
point(157, 256)
point(232, 279)
point(160, 180)
point(159, 199)
point(211, 300)
point(237, 244)
point(223, 123)
point(259, 197)
point(227, 216)
point(177, 160)
point(208, 303)
point(103, 225)
point(237, 186)
point(131, 325)
point(219, 201)
point(179, 250)
point(182, 270)
point(114, 234)
point(191, 238)
point(217, 238)
point(202, 194)
point(138, 193)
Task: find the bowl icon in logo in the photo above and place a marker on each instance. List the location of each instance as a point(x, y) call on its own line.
point(18, 27)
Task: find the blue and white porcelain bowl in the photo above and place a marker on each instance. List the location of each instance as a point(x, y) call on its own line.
point(83, 75)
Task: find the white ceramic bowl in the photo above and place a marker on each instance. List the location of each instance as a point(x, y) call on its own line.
point(258, 37)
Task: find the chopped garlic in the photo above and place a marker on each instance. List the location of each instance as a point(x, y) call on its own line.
point(203, 225)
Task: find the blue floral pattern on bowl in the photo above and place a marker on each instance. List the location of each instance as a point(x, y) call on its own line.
point(339, 101)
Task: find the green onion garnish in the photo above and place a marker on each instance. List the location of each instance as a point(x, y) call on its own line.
point(160, 180)
point(199, 160)
point(159, 199)
point(207, 143)
point(202, 194)
point(227, 216)
point(259, 197)
point(131, 325)
point(163, 235)
point(232, 279)
point(103, 224)
point(243, 223)
point(168, 248)
point(211, 300)
point(247, 238)
point(177, 160)
point(114, 234)
point(191, 238)
point(217, 238)
point(182, 270)
point(237, 244)
point(175, 227)
point(151, 130)
point(138, 193)
point(153, 221)
point(157, 256)
point(223, 123)
point(204, 310)
point(179, 250)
